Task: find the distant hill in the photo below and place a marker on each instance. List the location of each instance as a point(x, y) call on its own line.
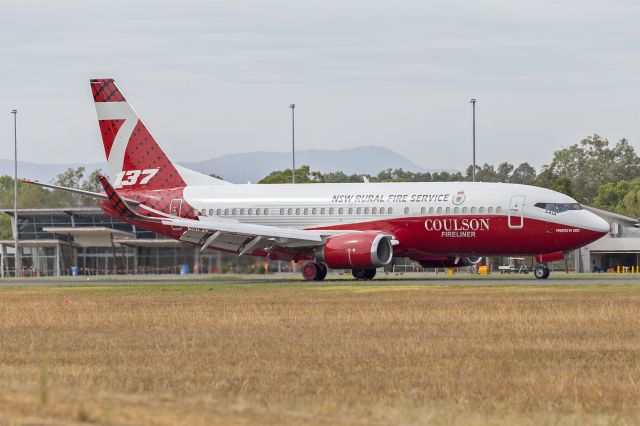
point(253, 166)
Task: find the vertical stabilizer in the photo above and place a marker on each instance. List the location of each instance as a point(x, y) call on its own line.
point(134, 158)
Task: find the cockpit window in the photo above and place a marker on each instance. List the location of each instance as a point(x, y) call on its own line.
point(559, 207)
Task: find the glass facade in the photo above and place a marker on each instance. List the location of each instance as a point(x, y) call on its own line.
point(45, 253)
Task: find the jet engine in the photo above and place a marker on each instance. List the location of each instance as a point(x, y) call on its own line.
point(363, 250)
point(449, 261)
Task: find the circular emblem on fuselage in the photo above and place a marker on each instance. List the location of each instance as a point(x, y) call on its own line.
point(458, 198)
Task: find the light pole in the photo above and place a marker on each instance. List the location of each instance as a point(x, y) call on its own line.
point(17, 263)
point(473, 171)
point(293, 141)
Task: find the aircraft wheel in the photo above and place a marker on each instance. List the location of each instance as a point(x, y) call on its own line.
point(322, 271)
point(541, 271)
point(363, 274)
point(310, 271)
point(547, 272)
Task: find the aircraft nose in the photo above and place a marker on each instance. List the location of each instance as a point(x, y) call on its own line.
point(598, 224)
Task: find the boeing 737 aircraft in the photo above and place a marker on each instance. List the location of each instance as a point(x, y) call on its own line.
point(359, 226)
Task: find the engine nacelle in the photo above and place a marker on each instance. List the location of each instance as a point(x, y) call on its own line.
point(449, 262)
point(355, 251)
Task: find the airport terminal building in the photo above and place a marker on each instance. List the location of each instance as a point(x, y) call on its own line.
point(52, 241)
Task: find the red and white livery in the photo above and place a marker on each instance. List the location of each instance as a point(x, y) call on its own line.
point(344, 226)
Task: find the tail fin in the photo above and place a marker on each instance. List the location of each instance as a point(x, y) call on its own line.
point(134, 158)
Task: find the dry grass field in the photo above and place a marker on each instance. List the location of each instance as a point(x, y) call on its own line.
point(320, 354)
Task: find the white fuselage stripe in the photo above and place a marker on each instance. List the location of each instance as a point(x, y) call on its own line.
point(118, 111)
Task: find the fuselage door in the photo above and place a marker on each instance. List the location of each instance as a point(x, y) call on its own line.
point(515, 212)
point(174, 210)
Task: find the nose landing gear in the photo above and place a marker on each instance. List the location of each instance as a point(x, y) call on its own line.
point(541, 271)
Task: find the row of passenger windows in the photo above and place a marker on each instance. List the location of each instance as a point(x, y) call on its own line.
point(348, 210)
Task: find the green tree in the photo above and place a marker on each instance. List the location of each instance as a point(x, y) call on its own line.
point(75, 178)
point(504, 172)
point(524, 174)
point(92, 183)
point(303, 175)
point(620, 197)
point(564, 185)
point(593, 163)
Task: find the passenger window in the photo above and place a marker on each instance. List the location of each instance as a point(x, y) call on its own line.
point(314, 211)
point(241, 212)
point(473, 210)
point(322, 210)
point(289, 212)
point(366, 210)
point(281, 212)
point(431, 210)
point(226, 212)
point(298, 212)
point(306, 212)
point(490, 210)
point(219, 212)
point(374, 210)
point(456, 210)
point(406, 210)
point(439, 210)
point(448, 210)
point(257, 212)
point(340, 210)
point(350, 210)
point(390, 210)
point(330, 210)
point(464, 210)
point(498, 210)
point(381, 210)
point(481, 210)
point(265, 211)
point(358, 210)
point(423, 210)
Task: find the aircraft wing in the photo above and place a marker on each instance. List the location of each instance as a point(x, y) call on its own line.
point(243, 237)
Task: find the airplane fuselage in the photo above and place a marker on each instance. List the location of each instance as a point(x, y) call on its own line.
point(440, 217)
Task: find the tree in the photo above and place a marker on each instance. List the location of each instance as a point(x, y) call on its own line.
point(92, 183)
point(593, 163)
point(620, 197)
point(523, 174)
point(303, 175)
point(504, 172)
point(564, 185)
point(74, 178)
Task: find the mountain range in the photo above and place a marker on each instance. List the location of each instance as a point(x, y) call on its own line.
point(253, 166)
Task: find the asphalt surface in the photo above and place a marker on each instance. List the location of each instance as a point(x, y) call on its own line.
point(558, 278)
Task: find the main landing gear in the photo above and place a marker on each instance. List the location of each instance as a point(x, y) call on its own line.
point(317, 271)
point(541, 271)
point(363, 274)
point(314, 271)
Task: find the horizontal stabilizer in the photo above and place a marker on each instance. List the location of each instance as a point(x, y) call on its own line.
point(119, 205)
point(98, 195)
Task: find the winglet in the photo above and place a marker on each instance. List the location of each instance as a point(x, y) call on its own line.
point(118, 204)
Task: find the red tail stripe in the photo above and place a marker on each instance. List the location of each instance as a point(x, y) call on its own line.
point(109, 130)
point(105, 90)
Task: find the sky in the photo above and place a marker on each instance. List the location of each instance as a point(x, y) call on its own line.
point(216, 77)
